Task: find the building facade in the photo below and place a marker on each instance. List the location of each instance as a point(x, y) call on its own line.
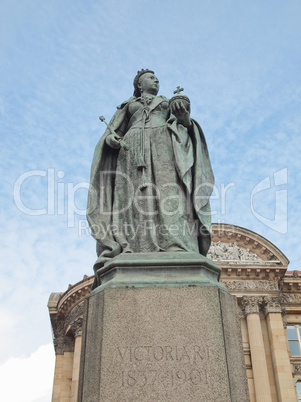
point(268, 302)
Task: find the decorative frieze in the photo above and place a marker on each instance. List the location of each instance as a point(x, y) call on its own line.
point(220, 251)
point(291, 298)
point(246, 240)
point(74, 315)
point(249, 285)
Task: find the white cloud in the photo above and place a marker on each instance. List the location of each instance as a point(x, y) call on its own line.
point(28, 379)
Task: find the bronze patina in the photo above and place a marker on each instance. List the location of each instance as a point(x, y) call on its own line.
point(151, 177)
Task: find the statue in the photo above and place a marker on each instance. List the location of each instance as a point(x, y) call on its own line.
point(151, 178)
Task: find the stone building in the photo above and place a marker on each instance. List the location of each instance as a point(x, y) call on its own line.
point(269, 305)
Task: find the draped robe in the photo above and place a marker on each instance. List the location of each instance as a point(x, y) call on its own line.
point(153, 194)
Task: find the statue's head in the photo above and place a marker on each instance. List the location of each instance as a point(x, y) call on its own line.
point(138, 79)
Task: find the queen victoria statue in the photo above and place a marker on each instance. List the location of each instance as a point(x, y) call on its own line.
point(151, 178)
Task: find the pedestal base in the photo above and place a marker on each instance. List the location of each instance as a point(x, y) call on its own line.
point(165, 343)
point(158, 269)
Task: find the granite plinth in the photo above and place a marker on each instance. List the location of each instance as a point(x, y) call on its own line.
point(162, 343)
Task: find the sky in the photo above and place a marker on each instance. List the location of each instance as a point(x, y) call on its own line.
point(64, 63)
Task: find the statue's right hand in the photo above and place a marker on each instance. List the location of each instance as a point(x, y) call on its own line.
point(113, 140)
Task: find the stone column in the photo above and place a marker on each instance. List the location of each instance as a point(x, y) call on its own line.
point(259, 364)
point(76, 328)
point(280, 356)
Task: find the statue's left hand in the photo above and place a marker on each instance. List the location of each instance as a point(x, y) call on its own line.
point(182, 114)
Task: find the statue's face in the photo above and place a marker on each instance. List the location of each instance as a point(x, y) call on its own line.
point(149, 83)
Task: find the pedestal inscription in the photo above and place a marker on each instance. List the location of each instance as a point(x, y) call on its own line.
point(178, 365)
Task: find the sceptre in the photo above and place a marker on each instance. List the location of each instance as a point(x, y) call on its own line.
point(119, 139)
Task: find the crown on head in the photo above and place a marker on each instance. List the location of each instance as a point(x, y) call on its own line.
point(136, 79)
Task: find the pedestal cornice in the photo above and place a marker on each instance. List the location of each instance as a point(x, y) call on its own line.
point(158, 270)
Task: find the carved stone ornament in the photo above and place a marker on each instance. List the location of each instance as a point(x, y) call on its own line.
point(63, 344)
point(272, 305)
point(235, 285)
point(62, 341)
point(297, 368)
point(58, 335)
point(241, 313)
point(251, 304)
point(74, 314)
point(59, 345)
point(69, 343)
point(232, 252)
point(291, 298)
point(76, 327)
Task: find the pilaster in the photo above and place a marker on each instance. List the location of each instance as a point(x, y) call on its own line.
point(76, 328)
point(65, 390)
point(251, 307)
point(57, 380)
point(280, 356)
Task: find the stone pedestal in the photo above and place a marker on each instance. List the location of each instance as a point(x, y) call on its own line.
point(161, 328)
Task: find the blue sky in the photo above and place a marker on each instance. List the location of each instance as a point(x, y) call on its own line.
point(64, 63)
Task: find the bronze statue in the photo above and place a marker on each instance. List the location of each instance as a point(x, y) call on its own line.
point(151, 177)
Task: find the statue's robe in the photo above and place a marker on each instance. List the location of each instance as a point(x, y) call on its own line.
point(194, 172)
